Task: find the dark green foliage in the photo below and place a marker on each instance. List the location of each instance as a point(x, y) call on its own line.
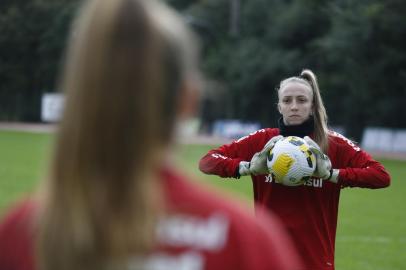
point(356, 48)
point(366, 63)
point(32, 39)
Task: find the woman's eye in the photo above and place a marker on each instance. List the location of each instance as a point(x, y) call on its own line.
point(302, 100)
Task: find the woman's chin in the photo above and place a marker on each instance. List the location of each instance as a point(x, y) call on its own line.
point(295, 122)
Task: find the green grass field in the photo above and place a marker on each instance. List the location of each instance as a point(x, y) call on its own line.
point(372, 223)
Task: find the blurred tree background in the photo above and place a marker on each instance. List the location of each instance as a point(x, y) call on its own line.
point(356, 48)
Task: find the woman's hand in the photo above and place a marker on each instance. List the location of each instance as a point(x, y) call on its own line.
point(323, 163)
point(257, 165)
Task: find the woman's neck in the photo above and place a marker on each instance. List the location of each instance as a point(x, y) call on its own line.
point(304, 129)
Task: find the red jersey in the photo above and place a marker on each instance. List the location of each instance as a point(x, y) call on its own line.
point(308, 212)
point(202, 231)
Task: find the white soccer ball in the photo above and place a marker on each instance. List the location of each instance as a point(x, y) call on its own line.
point(290, 161)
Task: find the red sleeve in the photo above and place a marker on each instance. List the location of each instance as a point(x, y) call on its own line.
point(224, 161)
point(268, 246)
point(16, 239)
point(358, 168)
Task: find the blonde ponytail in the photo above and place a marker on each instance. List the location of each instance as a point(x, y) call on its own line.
point(319, 111)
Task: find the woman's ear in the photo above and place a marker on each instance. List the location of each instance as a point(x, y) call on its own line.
point(189, 99)
point(279, 107)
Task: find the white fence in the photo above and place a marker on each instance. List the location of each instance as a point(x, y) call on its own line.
point(233, 129)
point(384, 140)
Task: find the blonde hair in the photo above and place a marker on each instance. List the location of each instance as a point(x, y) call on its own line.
point(308, 78)
point(125, 65)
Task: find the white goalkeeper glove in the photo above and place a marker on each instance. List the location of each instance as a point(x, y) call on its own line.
point(257, 165)
point(244, 168)
point(323, 163)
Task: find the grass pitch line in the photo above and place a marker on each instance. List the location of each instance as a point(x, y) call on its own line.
point(370, 239)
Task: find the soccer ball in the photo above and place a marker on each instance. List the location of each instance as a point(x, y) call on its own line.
point(290, 161)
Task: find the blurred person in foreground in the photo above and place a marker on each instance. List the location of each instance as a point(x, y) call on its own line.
point(113, 200)
point(309, 211)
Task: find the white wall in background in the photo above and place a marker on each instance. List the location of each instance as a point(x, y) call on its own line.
point(52, 107)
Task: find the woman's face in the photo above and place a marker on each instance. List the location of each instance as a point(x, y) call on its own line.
point(295, 103)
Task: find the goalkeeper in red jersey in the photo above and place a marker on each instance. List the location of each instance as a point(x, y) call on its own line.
point(309, 212)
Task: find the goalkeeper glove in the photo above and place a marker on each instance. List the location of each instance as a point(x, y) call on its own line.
point(244, 168)
point(323, 163)
point(257, 165)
